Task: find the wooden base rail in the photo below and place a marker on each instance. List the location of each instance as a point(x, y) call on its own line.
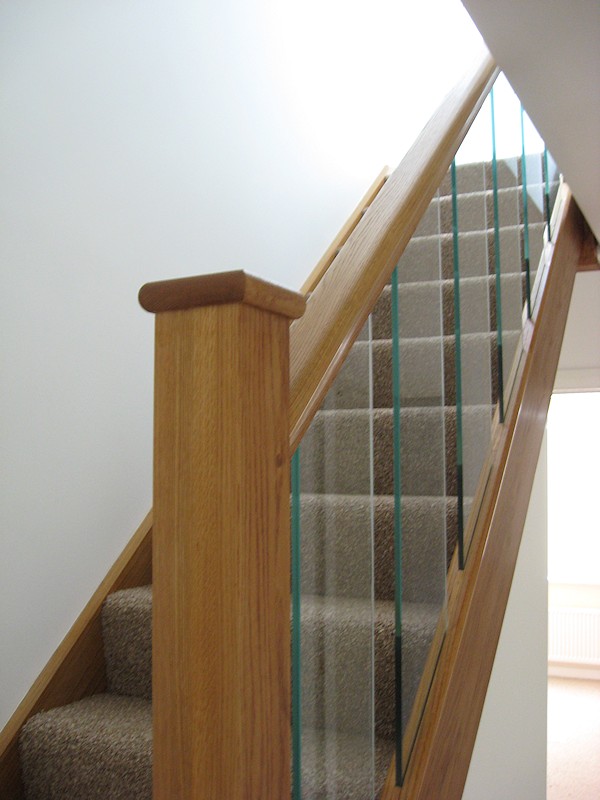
point(478, 596)
point(221, 540)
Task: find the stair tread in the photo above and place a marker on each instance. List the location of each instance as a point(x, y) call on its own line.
point(353, 610)
point(486, 232)
point(356, 499)
point(97, 747)
point(469, 280)
point(344, 413)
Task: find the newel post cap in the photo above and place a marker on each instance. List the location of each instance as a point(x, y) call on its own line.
point(217, 289)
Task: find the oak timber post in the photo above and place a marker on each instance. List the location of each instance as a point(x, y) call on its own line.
point(221, 544)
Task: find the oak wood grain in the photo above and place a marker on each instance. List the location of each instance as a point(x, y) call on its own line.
point(589, 259)
point(219, 288)
point(221, 555)
point(332, 251)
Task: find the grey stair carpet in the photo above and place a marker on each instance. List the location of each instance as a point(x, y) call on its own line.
point(335, 469)
point(101, 747)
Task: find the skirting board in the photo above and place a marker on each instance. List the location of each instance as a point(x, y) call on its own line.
point(561, 669)
point(577, 380)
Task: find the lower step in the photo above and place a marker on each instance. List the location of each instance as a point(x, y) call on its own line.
point(100, 748)
point(97, 748)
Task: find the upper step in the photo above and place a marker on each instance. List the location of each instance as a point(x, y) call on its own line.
point(338, 548)
point(420, 372)
point(430, 255)
point(335, 454)
point(127, 633)
point(426, 308)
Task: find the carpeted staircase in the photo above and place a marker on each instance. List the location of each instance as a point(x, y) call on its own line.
point(101, 747)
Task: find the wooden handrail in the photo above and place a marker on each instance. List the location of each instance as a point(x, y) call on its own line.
point(334, 248)
point(478, 595)
point(345, 296)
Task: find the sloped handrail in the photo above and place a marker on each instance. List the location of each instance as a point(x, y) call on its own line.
point(345, 296)
point(340, 240)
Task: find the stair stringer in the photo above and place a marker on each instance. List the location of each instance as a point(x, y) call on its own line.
point(478, 596)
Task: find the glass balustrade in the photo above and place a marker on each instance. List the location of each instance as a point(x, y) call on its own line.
point(473, 290)
point(551, 184)
point(507, 242)
point(425, 426)
point(388, 481)
point(342, 632)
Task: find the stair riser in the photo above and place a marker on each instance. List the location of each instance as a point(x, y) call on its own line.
point(337, 654)
point(127, 635)
point(335, 452)
point(427, 309)
point(421, 372)
point(339, 552)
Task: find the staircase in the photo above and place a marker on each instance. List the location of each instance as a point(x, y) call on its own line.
point(101, 746)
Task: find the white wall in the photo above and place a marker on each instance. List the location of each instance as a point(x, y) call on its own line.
point(549, 52)
point(573, 502)
point(579, 363)
point(146, 139)
point(509, 758)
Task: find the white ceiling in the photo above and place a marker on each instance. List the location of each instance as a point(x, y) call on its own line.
point(550, 53)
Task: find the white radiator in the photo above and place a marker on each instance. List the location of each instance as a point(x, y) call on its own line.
point(574, 636)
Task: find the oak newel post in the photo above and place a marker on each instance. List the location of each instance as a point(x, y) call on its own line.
point(221, 572)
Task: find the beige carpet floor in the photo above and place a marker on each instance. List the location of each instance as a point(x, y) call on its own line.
point(573, 739)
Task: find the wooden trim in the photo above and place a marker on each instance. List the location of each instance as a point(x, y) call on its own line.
point(334, 248)
point(590, 252)
point(220, 288)
point(77, 668)
point(341, 302)
point(478, 596)
point(221, 555)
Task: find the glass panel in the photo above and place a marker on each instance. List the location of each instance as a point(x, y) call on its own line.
point(334, 736)
point(507, 248)
point(296, 631)
point(474, 341)
point(533, 193)
point(391, 472)
point(421, 544)
point(551, 184)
